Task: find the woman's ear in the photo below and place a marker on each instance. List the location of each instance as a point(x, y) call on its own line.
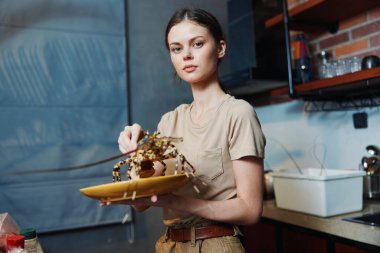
point(221, 49)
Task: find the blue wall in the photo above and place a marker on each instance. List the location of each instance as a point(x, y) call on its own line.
point(62, 102)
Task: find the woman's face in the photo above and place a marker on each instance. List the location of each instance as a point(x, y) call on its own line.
point(194, 52)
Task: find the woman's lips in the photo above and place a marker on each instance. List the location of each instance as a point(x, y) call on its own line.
point(190, 68)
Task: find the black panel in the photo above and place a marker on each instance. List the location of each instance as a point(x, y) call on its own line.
point(256, 55)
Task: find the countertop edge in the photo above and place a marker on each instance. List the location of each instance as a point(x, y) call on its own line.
point(334, 225)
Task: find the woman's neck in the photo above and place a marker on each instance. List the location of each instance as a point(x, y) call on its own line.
point(206, 101)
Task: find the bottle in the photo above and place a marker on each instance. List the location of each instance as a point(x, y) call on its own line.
point(302, 60)
point(323, 70)
point(15, 243)
point(30, 240)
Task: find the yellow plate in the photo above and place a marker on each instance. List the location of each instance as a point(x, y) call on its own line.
point(143, 187)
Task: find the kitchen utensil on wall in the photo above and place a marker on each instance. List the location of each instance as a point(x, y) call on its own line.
point(370, 61)
point(371, 165)
point(372, 150)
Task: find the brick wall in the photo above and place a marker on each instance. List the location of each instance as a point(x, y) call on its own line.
point(357, 36)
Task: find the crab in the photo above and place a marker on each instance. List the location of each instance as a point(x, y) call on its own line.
point(150, 149)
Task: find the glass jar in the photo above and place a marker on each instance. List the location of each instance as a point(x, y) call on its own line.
point(30, 240)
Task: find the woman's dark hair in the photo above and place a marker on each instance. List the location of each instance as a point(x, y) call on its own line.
point(199, 16)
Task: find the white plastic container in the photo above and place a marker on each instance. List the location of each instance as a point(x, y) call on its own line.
point(320, 192)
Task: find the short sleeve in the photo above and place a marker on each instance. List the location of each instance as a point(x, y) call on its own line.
point(245, 135)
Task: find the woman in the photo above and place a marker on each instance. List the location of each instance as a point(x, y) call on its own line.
point(222, 140)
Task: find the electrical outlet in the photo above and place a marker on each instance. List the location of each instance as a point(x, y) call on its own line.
point(360, 119)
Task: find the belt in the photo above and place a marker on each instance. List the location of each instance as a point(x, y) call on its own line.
point(211, 231)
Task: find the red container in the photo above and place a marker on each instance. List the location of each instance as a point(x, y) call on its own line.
point(15, 241)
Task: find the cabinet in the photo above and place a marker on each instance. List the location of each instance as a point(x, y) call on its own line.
point(315, 15)
point(270, 236)
point(260, 237)
point(298, 241)
point(344, 248)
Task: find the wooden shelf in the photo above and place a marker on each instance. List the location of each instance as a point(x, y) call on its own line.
point(313, 13)
point(358, 85)
point(365, 81)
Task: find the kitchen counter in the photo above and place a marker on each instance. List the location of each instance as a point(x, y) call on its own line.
point(331, 225)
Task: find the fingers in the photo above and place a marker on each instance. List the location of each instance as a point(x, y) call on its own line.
point(104, 202)
point(129, 137)
point(135, 133)
point(122, 146)
point(154, 198)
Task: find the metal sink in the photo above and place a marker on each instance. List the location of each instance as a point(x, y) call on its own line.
point(372, 219)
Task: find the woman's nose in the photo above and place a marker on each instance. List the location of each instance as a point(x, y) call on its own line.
point(187, 55)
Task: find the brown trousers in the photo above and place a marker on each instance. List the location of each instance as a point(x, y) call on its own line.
point(224, 244)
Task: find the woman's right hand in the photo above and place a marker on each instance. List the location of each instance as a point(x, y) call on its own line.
point(129, 137)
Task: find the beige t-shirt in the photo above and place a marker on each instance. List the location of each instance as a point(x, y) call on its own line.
point(231, 133)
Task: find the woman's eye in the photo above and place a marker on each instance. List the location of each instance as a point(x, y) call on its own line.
point(176, 50)
point(198, 44)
